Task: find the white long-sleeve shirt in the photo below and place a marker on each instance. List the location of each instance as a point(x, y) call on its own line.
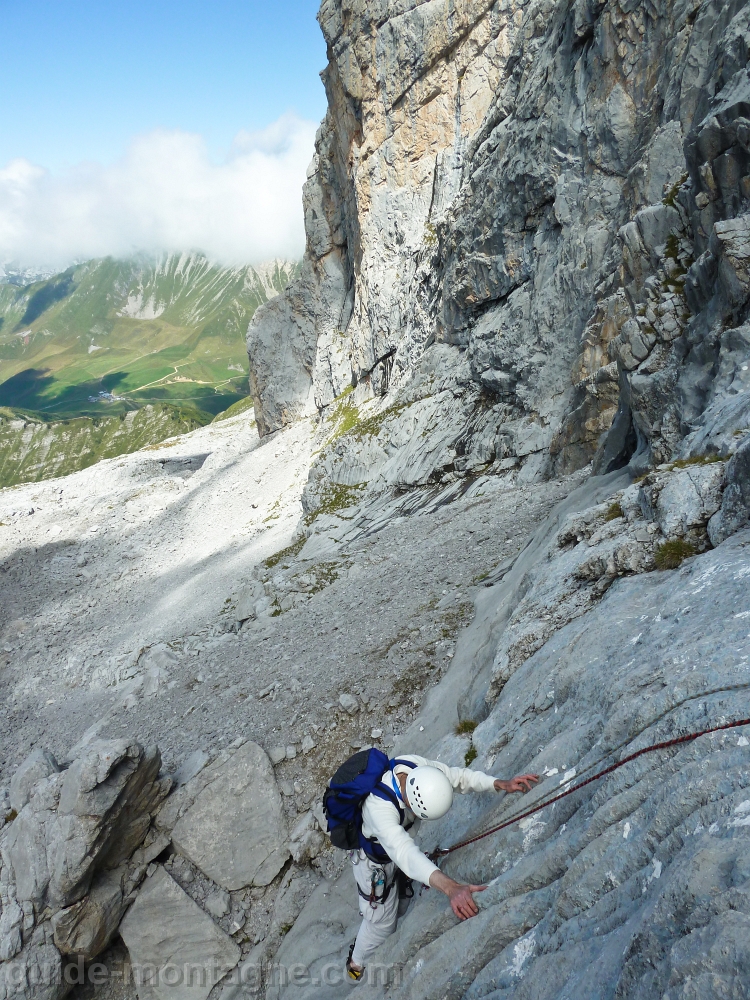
point(381, 820)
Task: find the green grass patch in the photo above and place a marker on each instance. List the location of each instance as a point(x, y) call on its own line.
point(685, 463)
point(325, 574)
point(455, 619)
point(33, 449)
point(613, 512)
point(470, 756)
point(672, 554)
point(465, 727)
point(672, 247)
point(288, 553)
point(241, 406)
point(370, 426)
point(336, 497)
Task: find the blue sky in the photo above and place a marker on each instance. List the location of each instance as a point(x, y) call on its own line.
point(140, 125)
point(79, 78)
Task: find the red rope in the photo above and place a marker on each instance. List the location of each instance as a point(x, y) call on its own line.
point(441, 852)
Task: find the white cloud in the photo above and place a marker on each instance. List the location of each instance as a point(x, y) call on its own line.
point(164, 194)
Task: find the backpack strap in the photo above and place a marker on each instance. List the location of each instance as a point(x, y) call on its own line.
point(400, 760)
point(372, 848)
point(382, 791)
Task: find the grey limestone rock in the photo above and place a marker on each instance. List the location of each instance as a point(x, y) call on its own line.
point(191, 766)
point(306, 839)
point(635, 886)
point(548, 276)
point(235, 830)
point(218, 903)
point(176, 949)
point(65, 877)
point(735, 502)
point(38, 765)
point(349, 703)
point(87, 927)
point(276, 755)
point(91, 816)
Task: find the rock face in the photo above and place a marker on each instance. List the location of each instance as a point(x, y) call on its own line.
point(735, 502)
point(528, 252)
point(527, 228)
point(636, 886)
point(176, 949)
point(235, 830)
point(66, 875)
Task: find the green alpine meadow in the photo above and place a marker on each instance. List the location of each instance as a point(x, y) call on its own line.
point(110, 335)
point(82, 351)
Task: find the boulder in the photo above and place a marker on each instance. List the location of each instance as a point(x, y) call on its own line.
point(306, 841)
point(235, 830)
point(38, 765)
point(191, 766)
point(176, 950)
point(218, 903)
point(92, 816)
point(683, 500)
point(65, 875)
point(349, 703)
point(246, 601)
point(87, 927)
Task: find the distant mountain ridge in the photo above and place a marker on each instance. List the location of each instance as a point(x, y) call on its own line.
point(111, 335)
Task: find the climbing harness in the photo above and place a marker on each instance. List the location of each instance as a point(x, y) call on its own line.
point(380, 890)
point(687, 738)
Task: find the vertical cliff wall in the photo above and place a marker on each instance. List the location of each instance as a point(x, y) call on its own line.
point(538, 206)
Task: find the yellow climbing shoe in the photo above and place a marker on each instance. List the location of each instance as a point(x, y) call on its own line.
point(354, 974)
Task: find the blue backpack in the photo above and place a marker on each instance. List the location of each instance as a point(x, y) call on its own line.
point(359, 776)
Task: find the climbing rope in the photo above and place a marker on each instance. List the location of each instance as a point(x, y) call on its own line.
point(688, 738)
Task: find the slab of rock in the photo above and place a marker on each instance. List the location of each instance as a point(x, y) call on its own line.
point(177, 951)
point(235, 830)
point(191, 766)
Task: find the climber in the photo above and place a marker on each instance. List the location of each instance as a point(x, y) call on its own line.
point(370, 804)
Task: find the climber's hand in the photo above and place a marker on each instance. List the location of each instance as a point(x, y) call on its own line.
point(462, 900)
point(523, 783)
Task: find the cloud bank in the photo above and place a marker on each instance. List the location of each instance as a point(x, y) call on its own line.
point(164, 194)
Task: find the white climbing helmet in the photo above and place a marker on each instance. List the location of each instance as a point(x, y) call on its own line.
point(429, 792)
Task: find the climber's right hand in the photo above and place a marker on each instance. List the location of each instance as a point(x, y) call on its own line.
point(461, 896)
point(462, 900)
